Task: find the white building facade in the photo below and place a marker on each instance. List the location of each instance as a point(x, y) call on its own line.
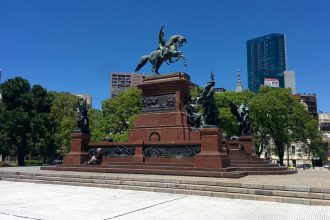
point(290, 80)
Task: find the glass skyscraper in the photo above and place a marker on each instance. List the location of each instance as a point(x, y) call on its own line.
point(266, 61)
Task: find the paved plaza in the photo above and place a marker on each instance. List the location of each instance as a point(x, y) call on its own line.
point(55, 202)
point(50, 202)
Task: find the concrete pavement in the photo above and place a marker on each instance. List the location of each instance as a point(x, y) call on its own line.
point(54, 202)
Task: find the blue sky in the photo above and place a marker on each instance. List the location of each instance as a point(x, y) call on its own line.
point(73, 46)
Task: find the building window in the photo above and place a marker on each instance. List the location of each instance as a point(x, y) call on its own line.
point(293, 149)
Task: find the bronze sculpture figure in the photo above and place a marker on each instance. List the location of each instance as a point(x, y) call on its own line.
point(209, 115)
point(243, 118)
point(207, 101)
point(82, 117)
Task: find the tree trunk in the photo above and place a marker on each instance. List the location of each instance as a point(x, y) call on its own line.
point(20, 157)
point(260, 149)
point(280, 151)
point(281, 156)
point(288, 155)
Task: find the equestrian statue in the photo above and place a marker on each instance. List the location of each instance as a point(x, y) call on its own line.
point(165, 52)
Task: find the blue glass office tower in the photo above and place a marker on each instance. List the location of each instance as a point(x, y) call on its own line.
point(266, 61)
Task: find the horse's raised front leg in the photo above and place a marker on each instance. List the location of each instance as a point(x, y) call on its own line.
point(180, 55)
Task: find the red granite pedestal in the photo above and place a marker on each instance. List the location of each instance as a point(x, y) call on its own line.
point(79, 145)
point(247, 143)
point(162, 117)
point(211, 155)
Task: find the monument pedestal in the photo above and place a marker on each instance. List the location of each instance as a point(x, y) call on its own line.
point(79, 146)
point(247, 143)
point(162, 117)
point(211, 155)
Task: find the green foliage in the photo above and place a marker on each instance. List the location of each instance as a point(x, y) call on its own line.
point(118, 111)
point(95, 123)
point(227, 120)
point(122, 137)
point(194, 92)
point(118, 115)
point(269, 111)
point(10, 163)
point(306, 130)
point(16, 104)
point(223, 99)
point(4, 141)
point(27, 125)
point(63, 112)
point(42, 124)
point(276, 113)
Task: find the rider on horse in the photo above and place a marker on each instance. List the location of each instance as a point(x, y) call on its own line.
point(164, 52)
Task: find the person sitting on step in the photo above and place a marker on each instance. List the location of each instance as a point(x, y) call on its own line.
point(96, 159)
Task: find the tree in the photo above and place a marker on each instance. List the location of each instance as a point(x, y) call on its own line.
point(41, 139)
point(261, 135)
point(305, 130)
point(25, 123)
point(4, 141)
point(16, 102)
point(118, 116)
point(95, 122)
point(277, 114)
point(63, 111)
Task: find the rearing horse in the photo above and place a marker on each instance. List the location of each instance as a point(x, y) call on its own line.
point(164, 52)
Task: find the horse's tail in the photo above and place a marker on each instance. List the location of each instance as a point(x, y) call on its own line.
point(144, 59)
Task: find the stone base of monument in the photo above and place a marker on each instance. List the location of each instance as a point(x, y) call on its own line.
point(185, 158)
point(79, 145)
point(161, 141)
point(242, 158)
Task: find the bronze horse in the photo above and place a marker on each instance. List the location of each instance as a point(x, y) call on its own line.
point(164, 52)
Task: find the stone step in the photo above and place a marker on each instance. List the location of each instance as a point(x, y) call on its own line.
point(146, 166)
point(151, 164)
point(247, 162)
point(243, 154)
point(141, 170)
point(205, 188)
point(245, 158)
point(228, 188)
point(258, 168)
point(257, 165)
point(240, 154)
point(280, 172)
